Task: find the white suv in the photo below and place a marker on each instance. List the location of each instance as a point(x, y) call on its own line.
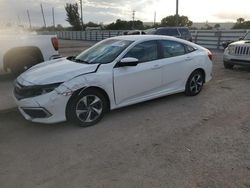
point(237, 53)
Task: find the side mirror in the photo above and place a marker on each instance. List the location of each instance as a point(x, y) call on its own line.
point(241, 38)
point(128, 61)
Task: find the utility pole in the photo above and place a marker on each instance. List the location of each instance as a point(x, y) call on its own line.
point(44, 22)
point(154, 18)
point(28, 14)
point(53, 16)
point(19, 20)
point(81, 14)
point(133, 18)
point(177, 12)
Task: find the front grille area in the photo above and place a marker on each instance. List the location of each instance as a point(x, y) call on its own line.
point(242, 50)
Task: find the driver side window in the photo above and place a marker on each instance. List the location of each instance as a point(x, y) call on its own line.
point(145, 51)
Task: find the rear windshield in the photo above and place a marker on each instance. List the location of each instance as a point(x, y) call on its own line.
point(184, 31)
point(168, 31)
point(150, 31)
point(247, 36)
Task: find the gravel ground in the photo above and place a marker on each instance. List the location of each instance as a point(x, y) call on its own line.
point(175, 141)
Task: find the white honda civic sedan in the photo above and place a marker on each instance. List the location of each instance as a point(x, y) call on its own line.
point(114, 73)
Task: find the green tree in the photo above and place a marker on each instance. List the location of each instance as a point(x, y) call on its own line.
point(73, 16)
point(173, 19)
point(241, 24)
point(217, 26)
point(92, 24)
point(240, 20)
point(125, 25)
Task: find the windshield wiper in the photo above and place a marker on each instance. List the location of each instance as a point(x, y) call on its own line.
point(81, 61)
point(73, 58)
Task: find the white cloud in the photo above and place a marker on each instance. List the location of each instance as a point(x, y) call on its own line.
point(109, 10)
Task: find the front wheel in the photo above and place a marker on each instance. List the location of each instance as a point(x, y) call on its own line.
point(87, 108)
point(194, 83)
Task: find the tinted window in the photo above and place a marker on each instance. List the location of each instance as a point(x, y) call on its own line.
point(184, 31)
point(247, 36)
point(172, 48)
point(145, 51)
point(168, 31)
point(189, 49)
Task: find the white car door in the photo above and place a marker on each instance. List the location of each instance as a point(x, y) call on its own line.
point(175, 66)
point(133, 83)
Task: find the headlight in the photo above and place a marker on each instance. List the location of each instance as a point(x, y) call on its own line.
point(231, 49)
point(48, 88)
point(22, 92)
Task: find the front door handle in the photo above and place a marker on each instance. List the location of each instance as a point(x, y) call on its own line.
point(156, 67)
point(188, 59)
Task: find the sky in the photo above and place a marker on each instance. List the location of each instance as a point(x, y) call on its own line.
point(107, 11)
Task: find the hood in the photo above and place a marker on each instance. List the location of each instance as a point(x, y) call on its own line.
point(241, 42)
point(54, 71)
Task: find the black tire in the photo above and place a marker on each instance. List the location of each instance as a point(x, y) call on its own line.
point(23, 63)
point(228, 65)
point(17, 60)
point(195, 83)
point(82, 111)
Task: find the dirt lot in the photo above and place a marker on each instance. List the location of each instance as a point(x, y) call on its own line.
point(175, 141)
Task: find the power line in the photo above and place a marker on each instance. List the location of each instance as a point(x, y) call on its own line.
point(28, 14)
point(43, 15)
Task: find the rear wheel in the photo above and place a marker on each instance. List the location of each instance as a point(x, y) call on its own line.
point(87, 108)
point(18, 60)
point(228, 65)
point(194, 83)
point(23, 63)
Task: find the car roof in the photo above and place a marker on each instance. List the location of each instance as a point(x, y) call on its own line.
point(141, 38)
point(171, 27)
point(148, 37)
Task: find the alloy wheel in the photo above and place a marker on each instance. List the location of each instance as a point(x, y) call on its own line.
point(196, 83)
point(89, 108)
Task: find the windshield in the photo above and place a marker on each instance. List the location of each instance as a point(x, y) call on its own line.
point(103, 52)
point(168, 31)
point(247, 36)
point(150, 31)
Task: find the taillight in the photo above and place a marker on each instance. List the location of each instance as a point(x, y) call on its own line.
point(210, 55)
point(55, 43)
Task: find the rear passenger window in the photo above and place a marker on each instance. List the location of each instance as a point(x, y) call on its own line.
point(145, 51)
point(172, 49)
point(189, 49)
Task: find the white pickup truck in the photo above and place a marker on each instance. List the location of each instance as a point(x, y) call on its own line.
point(20, 51)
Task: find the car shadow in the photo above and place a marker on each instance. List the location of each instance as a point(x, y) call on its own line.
point(242, 68)
point(146, 104)
point(7, 77)
point(14, 120)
